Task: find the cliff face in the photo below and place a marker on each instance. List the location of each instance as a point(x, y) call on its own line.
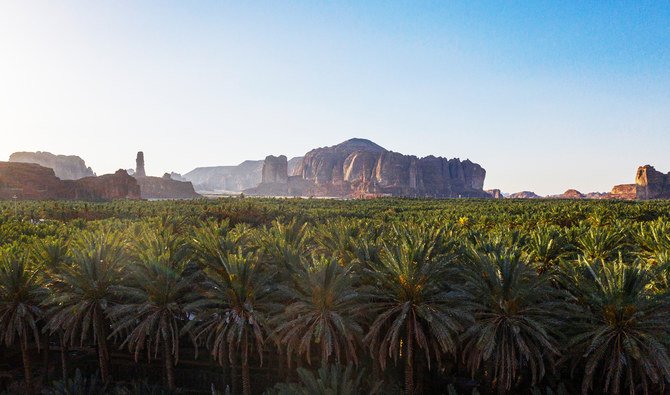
point(66, 167)
point(233, 179)
point(28, 181)
point(165, 188)
point(360, 168)
point(651, 184)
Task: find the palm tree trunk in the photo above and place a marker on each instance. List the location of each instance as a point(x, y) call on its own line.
point(63, 356)
point(103, 354)
point(26, 363)
point(45, 357)
point(169, 366)
point(246, 384)
point(409, 360)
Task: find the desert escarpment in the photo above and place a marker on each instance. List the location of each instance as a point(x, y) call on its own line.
point(66, 167)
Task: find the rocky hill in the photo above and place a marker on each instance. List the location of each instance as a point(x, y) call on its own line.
point(524, 195)
point(361, 168)
point(29, 181)
point(66, 167)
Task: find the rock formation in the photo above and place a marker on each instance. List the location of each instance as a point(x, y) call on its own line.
point(623, 191)
point(569, 194)
point(524, 195)
point(139, 165)
point(361, 168)
point(226, 179)
point(165, 188)
point(495, 193)
point(651, 184)
point(29, 181)
point(161, 187)
point(275, 170)
point(66, 167)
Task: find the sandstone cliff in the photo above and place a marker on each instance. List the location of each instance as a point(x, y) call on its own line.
point(361, 168)
point(495, 193)
point(66, 167)
point(29, 181)
point(651, 184)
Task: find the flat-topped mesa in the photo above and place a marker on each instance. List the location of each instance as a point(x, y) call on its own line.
point(139, 165)
point(66, 167)
point(29, 181)
point(361, 168)
point(651, 183)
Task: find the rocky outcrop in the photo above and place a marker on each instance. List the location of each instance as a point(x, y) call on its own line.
point(161, 187)
point(66, 167)
point(223, 179)
point(495, 193)
point(623, 191)
point(569, 194)
point(275, 170)
point(111, 186)
point(524, 195)
point(361, 168)
point(165, 188)
point(139, 165)
point(651, 183)
point(29, 181)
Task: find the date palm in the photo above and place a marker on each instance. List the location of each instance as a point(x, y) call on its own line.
point(621, 337)
point(235, 299)
point(152, 308)
point(82, 292)
point(21, 295)
point(324, 311)
point(411, 302)
point(517, 319)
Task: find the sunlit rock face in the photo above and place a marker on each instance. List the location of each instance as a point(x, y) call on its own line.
point(65, 167)
point(360, 168)
point(651, 183)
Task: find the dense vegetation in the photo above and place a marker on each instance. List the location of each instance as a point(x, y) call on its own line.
point(339, 297)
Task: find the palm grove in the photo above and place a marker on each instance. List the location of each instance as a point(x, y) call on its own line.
point(300, 296)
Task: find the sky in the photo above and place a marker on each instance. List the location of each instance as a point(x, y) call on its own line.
point(545, 95)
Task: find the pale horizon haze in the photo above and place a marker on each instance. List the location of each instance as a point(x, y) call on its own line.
point(544, 95)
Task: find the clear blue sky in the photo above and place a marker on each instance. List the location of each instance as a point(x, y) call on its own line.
point(546, 95)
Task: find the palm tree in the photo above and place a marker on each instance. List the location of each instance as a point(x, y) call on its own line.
point(325, 310)
point(235, 299)
point(517, 318)
point(152, 308)
point(285, 246)
point(82, 291)
point(601, 243)
point(411, 301)
point(621, 337)
point(49, 254)
point(545, 247)
point(21, 295)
